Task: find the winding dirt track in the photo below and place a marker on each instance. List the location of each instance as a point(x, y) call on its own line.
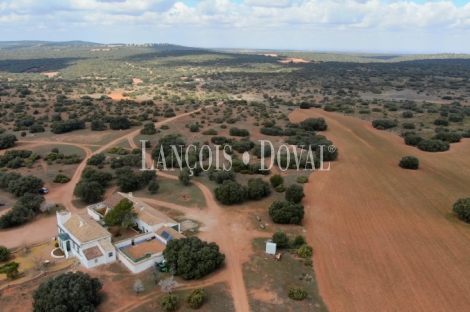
point(384, 237)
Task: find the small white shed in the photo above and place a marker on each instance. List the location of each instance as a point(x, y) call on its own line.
point(271, 248)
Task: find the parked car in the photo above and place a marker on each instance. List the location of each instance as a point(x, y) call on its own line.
point(43, 190)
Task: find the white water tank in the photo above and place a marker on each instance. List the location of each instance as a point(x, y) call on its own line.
point(271, 248)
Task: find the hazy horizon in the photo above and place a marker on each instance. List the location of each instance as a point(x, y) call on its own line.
point(373, 26)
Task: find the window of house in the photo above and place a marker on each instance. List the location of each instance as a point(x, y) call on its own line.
point(110, 254)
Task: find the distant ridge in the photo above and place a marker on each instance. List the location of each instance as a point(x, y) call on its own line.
point(13, 45)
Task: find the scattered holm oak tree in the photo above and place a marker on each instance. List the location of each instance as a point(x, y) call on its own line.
point(192, 258)
point(285, 212)
point(73, 292)
point(196, 298)
point(295, 193)
point(297, 293)
point(462, 209)
point(409, 162)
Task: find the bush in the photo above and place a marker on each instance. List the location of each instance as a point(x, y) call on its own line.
point(407, 114)
point(302, 179)
point(219, 176)
point(308, 262)
point(258, 188)
point(4, 253)
point(230, 193)
point(451, 137)
point(441, 121)
point(196, 298)
point(413, 140)
point(299, 240)
point(184, 176)
point(7, 140)
point(149, 129)
point(98, 125)
point(78, 292)
point(239, 132)
point(153, 187)
point(170, 303)
point(96, 160)
point(456, 118)
point(276, 180)
point(408, 125)
point(194, 128)
point(433, 146)
point(280, 239)
point(383, 124)
point(119, 123)
point(409, 162)
point(210, 132)
point(305, 251)
point(314, 124)
point(35, 128)
point(297, 293)
point(67, 125)
point(192, 258)
point(295, 193)
point(60, 178)
point(462, 209)
point(285, 212)
point(280, 188)
point(25, 185)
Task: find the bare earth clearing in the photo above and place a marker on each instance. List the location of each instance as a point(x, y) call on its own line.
point(293, 60)
point(385, 238)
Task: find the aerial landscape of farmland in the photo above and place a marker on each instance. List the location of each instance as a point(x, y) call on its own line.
point(221, 176)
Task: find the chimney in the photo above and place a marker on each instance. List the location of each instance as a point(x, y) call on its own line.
point(142, 208)
point(81, 223)
point(130, 194)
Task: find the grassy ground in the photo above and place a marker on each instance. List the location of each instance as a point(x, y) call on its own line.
point(172, 191)
point(218, 299)
point(268, 282)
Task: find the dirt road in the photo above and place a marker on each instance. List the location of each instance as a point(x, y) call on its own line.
point(384, 237)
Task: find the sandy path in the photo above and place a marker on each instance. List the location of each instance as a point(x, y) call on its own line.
point(384, 237)
point(221, 235)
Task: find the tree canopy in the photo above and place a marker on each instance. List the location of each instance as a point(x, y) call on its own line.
point(71, 292)
point(462, 209)
point(230, 193)
point(286, 212)
point(192, 258)
point(123, 214)
point(295, 193)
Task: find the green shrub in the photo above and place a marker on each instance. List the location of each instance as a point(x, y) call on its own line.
point(280, 188)
point(170, 303)
point(302, 179)
point(308, 262)
point(409, 162)
point(305, 251)
point(196, 298)
point(60, 178)
point(433, 145)
point(4, 253)
point(56, 245)
point(462, 209)
point(299, 240)
point(280, 239)
point(297, 293)
point(276, 180)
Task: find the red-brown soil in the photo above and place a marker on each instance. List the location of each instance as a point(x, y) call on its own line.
point(385, 238)
point(293, 60)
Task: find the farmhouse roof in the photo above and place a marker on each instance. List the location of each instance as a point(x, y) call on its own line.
point(92, 253)
point(84, 228)
point(112, 201)
point(106, 245)
point(169, 230)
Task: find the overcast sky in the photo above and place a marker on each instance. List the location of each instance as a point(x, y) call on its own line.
point(417, 26)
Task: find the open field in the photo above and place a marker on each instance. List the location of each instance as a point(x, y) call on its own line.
point(385, 238)
point(268, 282)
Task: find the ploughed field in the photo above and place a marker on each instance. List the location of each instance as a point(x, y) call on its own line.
point(385, 238)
